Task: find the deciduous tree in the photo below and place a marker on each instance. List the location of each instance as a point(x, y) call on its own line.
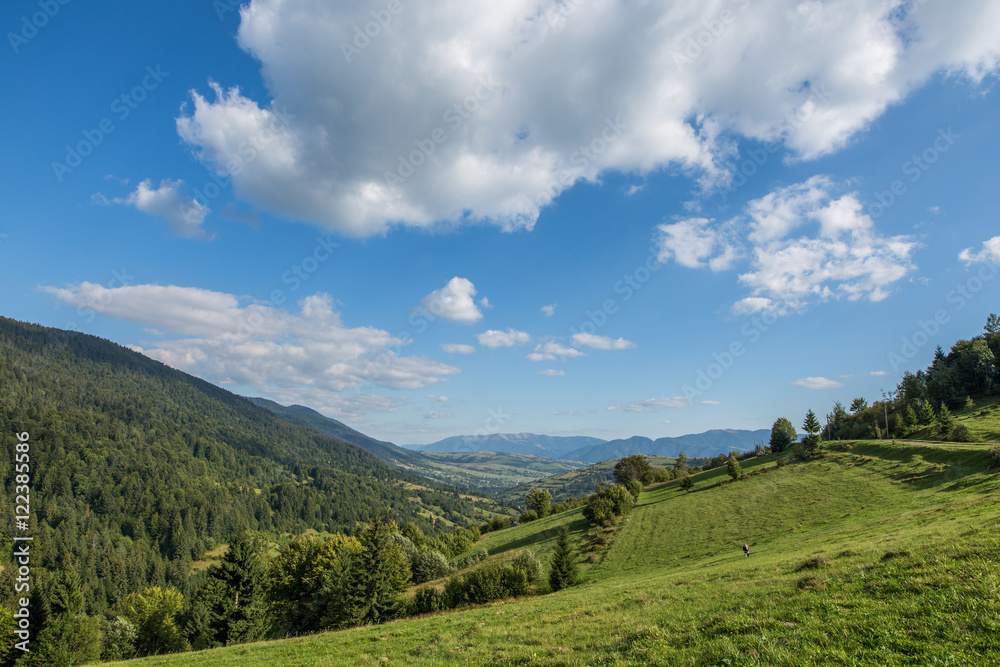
point(783, 434)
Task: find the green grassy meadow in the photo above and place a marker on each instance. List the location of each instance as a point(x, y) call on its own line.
point(873, 554)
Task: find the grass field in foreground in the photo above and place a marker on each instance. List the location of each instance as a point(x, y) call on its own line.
point(877, 554)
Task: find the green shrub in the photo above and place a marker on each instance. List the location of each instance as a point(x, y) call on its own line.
point(119, 639)
point(531, 566)
point(430, 565)
point(960, 433)
point(426, 601)
point(687, 483)
point(528, 515)
point(635, 488)
point(599, 511)
point(993, 457)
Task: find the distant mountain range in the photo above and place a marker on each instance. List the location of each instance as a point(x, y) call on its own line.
point(593, 450)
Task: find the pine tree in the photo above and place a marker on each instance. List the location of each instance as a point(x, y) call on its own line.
point(562, 572)
point(926, 414)
point(811, 426)
point(945, 420)
point(378, 576)
point(66, 597)
point(907, 419)
point(238, 610)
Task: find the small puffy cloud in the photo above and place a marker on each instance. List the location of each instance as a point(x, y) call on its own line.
point(573, 413)
point(552, 350)
point(817, 383)
point(552, 373)
point(753, 304)
point(601, 342)
point(694, 243)
point(454, 302)
point(485, 303)
point(711, 403)
point(989, 252)
point(879, 373)
point(184, 215)
point(438, 399)
point(434, 414)
point(652, 404)
point(307, 356)
point(508, 338)
point(549, 310)
point(457, 348)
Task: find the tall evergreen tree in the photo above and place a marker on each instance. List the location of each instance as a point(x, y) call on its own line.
point(563, 571)
point(66, 596)
point(812, 428)
point(378, 576)
point(238, 609)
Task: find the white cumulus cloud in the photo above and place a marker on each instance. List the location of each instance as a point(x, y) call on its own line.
point(552, 373)
point(508, 338)
point(817, 383)
point(308, 356)
point(551, 350)
point(454, 302)
point(805, 243)
point(989, 252)
point(466, 110)
point(601, 342)
point(184, 215)
point(549, 310)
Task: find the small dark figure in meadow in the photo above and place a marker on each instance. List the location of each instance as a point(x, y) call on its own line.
point(746, 550)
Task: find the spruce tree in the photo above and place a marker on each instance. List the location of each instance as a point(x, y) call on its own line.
point(562, 572)
point(238, 610)
point(377, 577)
point(812, 428)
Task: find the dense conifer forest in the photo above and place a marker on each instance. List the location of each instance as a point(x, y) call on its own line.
point(137, 470)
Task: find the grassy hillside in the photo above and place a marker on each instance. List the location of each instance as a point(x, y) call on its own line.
point(874, 554)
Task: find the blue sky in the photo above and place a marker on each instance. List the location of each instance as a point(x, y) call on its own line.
point(577, 217)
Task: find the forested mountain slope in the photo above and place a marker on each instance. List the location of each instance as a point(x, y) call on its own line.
point(136, 468)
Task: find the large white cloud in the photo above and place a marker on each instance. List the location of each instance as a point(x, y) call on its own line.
point(306, 356)
point(806, 242)
point(462, 110)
